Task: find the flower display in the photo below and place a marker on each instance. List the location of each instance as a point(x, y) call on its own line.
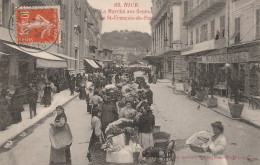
point(120, 126)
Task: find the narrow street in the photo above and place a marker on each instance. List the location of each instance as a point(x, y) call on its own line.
point(179, 116)
point(34, 149)
point(175, 114)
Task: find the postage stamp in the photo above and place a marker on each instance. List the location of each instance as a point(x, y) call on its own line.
point(37, 24)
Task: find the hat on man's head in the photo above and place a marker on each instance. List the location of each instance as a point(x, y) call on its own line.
point(218, 124)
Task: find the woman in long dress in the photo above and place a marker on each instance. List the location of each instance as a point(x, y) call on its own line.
point(96, 133)
point(47, 95)
point(16, 106)
point(218, 146)
point(61, 138)
point(145, 124)
point(109, 112)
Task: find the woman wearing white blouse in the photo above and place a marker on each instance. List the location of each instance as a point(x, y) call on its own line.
point(218, 146)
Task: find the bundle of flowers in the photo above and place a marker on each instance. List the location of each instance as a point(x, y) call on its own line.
point(118, 127)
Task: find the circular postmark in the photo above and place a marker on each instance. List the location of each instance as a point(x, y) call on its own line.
point(34, 26)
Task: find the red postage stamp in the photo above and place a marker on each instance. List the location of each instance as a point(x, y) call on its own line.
point(37, 25)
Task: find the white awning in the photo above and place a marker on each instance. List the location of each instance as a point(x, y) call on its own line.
point(100, 63)
point(42, 63)
point(64, 56)
point(30, 51)
point(2, 53)
point(92, 63)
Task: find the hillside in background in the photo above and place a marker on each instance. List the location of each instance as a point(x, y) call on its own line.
point(127, 39)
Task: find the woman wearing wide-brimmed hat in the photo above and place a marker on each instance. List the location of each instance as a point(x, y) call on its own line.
point(218, 145)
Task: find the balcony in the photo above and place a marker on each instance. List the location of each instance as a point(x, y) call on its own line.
point(206, 8)
point(204, 46)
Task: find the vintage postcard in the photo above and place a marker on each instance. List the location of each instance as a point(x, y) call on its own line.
point(128, 82)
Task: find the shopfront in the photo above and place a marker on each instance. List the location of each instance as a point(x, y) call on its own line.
point(22, 65)
point(4, 69)
point(242, 64)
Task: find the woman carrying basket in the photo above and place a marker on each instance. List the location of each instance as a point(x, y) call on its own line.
point(218, 146)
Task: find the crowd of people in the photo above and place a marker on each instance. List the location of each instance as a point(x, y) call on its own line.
point(39, 90)
point(126, 99)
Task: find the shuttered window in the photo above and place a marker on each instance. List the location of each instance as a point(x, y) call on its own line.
point(222, 27)
point(237, 30)
point(197, 35)
point(212, 29)
point(191, 38)
point(258, 24)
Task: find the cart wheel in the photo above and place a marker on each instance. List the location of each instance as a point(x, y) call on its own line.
point(171, 158)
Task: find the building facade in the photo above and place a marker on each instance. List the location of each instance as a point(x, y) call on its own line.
point(223, 37)
point(168, 34)
point(76, 33)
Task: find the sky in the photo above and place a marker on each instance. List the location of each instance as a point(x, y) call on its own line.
point(109, 25)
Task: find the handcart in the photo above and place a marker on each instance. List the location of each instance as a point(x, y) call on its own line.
point(161, 154)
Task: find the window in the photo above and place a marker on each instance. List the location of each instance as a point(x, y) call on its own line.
point(1, 8)
point(190, 5)
point(62, 39)
point(204, 33)
point(6, 12)
point(169, 64)
point(212, 30)
point(191, 38)
point(237, 30)
point(258, 24)
point(185, 8)
point(197, 35)
point(222, 27)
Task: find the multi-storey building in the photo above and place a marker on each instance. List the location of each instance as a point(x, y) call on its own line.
point(168, 36)
point(206, 22)
point(74, 24)
point(16, 64)
point(244, 44)
point(93, 20)
point(223, 36)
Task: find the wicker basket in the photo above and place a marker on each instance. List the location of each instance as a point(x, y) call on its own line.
point(161, 139)
point(196, 149)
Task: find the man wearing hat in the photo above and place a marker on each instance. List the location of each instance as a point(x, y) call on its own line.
point(218, 145)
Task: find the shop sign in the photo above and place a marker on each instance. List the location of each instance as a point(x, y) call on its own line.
point(213, 59)
point(238, 57)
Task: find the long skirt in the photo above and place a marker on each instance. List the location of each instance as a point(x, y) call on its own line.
point(146, 140)
point(47, 99)
point(82, 94)
point(57, 155)
point(17, 117)
point(216, 160)
point(94, 139)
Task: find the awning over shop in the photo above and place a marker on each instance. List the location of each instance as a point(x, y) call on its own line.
point(32, 52)
point(43, 59)
point(2, 53)
point(100, 63)
point(64, 56)
point(42, 63)
point(92, 63)
point(153, 60)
